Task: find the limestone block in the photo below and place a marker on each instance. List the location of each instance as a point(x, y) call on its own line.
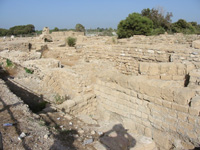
point(183, 96)
point(166, 77)
point(154, 77)
point(195, 102)
point(192, 120)
point(172, 69)
point(67, 105)
point(178, 78)
point(190, 67)
point(164, 68)
point(194, 111)
point(187, 145)
point(150, 88)
point(148, 132)
point(162, 142)
point(167, 93)
point(144, 68)
point(154, 69)
point(196, 44)
point(158, 101)
point(182, 116)
point(129, 124)
point(134, 83)
point(180, 108)
point(167, 104)
point(181, 69)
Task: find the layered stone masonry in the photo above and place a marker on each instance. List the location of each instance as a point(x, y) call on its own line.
point(153, 108)
point(139, 81)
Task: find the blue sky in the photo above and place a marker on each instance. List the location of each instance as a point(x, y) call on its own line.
point(90, 13)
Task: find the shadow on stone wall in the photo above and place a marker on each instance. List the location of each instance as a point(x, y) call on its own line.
point(117, 139)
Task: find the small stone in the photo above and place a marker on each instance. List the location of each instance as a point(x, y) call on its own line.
point(80, 131)
point(93, 132)
point(194, 53)
point(70, 123)
point(87, 141)
point(19, 139)
point(76, 135)
point(22, 135)
point(46, 136)
point(58, 118)
point(100, 133)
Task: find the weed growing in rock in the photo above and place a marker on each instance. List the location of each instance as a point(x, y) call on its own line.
point(28, 71)
point(9, 63)
point(71, 41)
point(114, 40)
point(60, 99)
point(41, 122)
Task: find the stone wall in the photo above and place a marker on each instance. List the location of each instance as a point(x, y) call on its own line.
point(155, 108)
point(149, 84)
point(66, 33)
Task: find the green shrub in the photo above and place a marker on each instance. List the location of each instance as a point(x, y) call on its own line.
point(182, 26)
point(28, 71)
point(71, 41)
point(158, 31)
point(114, 40)
point(9, 63)
point(134, 24)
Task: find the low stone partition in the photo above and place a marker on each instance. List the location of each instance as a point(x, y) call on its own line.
point(67, 33)
point(195, 77)
point(166, 71)
point(159, 109)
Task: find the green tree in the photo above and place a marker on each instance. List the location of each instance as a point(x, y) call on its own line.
point(56, 29)
point(134, 24)
point(158, 17)
point(80, 28)
point(196, 26)
point(22, 29)
point(3, 32)
point(182, 26)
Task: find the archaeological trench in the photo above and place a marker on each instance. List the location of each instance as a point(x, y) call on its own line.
point(148, 84)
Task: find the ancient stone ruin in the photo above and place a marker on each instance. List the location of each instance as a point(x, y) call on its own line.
point(150, 85)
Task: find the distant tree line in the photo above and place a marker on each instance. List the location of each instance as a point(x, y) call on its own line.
point(154, 22)
point(18, 30)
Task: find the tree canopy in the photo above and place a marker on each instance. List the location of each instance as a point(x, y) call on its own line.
point(160, 20)
point(134, 24)
point(182, 26)
point(56, 29)
point(80, 28)
point(154, 22)
point(18, 30)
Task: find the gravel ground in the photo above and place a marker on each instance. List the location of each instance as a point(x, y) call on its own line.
point(45, 130)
